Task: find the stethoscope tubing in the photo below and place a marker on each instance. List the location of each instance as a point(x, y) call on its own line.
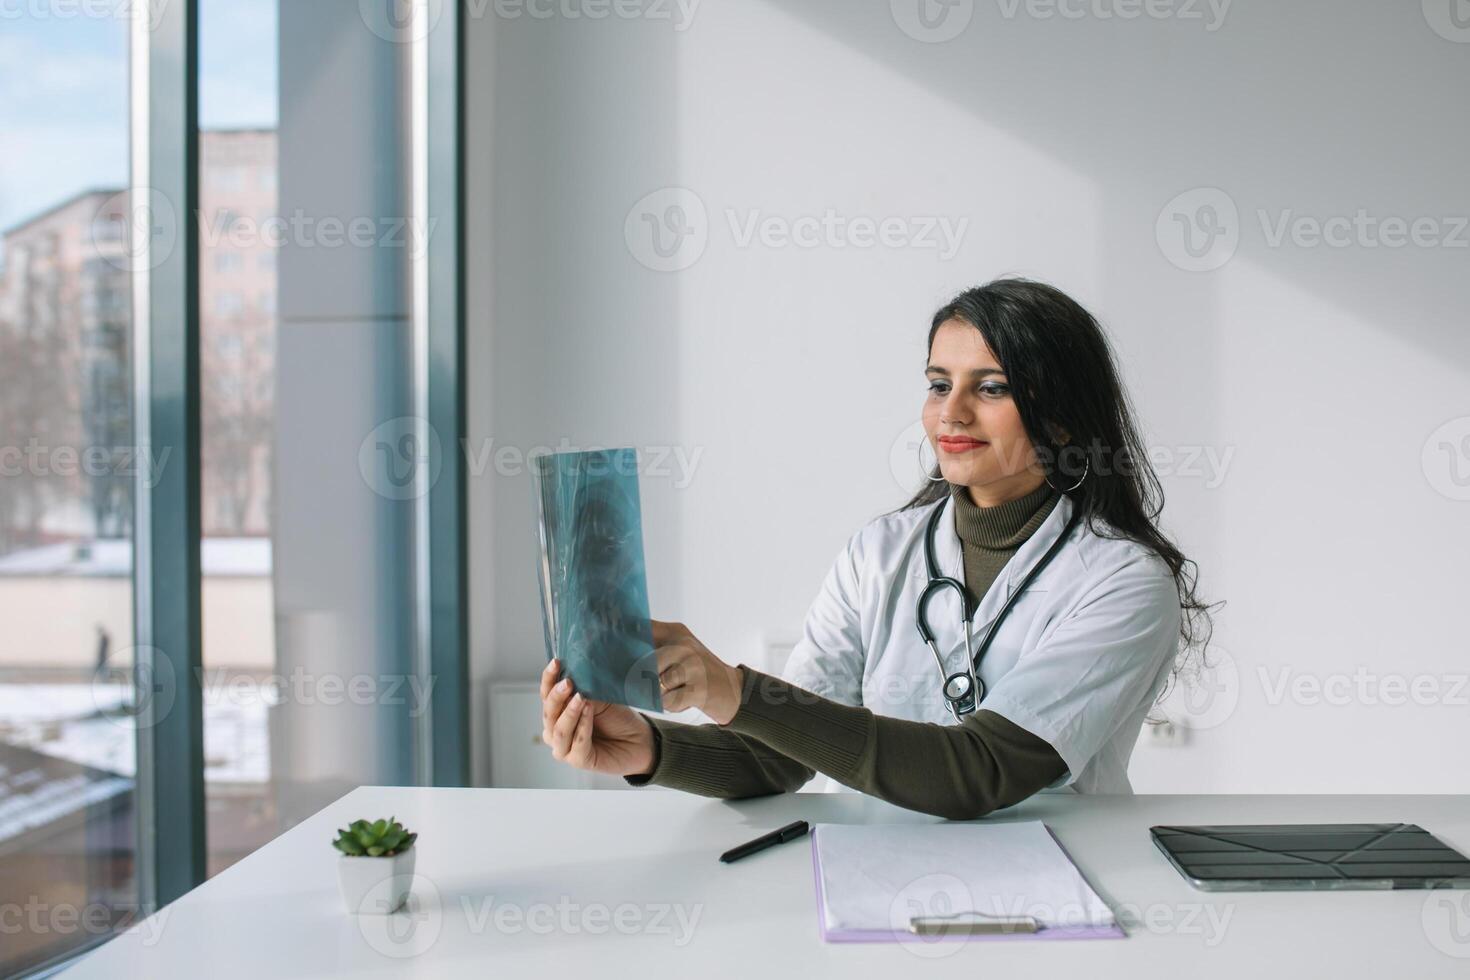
point(938, 583)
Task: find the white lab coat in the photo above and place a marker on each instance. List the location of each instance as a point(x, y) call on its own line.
point(1078, 661)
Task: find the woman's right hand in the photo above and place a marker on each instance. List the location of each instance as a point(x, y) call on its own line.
point(592, 735)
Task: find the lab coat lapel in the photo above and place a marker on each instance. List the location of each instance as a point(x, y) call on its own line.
point(944, 612)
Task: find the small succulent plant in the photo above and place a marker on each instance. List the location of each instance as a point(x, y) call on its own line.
point(379, 838)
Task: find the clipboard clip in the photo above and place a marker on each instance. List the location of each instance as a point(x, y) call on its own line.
point(972, 924)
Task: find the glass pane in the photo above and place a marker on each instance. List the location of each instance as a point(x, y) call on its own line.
point(66, 476)
point(237, 355)
point(307, 597)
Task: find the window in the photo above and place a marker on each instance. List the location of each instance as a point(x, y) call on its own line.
point(75, 767)
point(67, 764)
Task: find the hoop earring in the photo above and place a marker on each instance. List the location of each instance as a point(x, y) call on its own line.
point(924, 469)
point(1086, 465)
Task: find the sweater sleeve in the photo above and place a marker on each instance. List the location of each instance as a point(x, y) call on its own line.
point(713, 761)
point(782, 734)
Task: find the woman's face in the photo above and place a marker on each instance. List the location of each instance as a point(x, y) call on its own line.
point(971, 421)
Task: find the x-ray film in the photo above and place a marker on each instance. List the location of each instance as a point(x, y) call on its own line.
point(594, 595)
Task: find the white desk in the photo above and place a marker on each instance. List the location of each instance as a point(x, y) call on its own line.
point(564, 862)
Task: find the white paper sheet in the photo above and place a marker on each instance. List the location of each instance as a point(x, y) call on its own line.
point(877, 877)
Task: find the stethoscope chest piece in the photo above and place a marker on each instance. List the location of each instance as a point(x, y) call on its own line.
point(963, 692)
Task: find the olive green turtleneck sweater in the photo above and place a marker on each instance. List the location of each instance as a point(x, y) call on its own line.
point(991, 535)
point(779, 738)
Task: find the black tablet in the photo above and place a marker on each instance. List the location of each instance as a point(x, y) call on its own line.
point(1306, 857)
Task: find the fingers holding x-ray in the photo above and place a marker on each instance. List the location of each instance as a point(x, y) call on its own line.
point(683, 679)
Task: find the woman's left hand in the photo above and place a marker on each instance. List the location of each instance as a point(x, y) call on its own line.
point(689, 676)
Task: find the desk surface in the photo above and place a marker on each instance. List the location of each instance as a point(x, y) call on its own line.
point(518, 882)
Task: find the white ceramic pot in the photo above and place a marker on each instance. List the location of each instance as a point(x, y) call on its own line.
point(375, 885)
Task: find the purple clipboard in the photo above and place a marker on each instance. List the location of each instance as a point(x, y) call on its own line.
point(893, 935)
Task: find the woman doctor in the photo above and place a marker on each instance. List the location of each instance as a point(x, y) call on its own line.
point(1041, 514)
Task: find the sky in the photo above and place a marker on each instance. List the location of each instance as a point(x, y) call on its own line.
point(64, 93)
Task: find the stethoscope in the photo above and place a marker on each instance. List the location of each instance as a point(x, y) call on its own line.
point(964, 690)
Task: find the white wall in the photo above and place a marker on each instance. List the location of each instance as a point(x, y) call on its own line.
point(1313, 376)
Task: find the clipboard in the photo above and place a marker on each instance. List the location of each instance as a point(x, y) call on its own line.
point(923, 883)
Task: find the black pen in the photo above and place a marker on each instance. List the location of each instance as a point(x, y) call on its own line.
point(789, 832)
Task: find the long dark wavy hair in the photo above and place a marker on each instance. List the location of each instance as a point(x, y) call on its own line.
point(1064, 380)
